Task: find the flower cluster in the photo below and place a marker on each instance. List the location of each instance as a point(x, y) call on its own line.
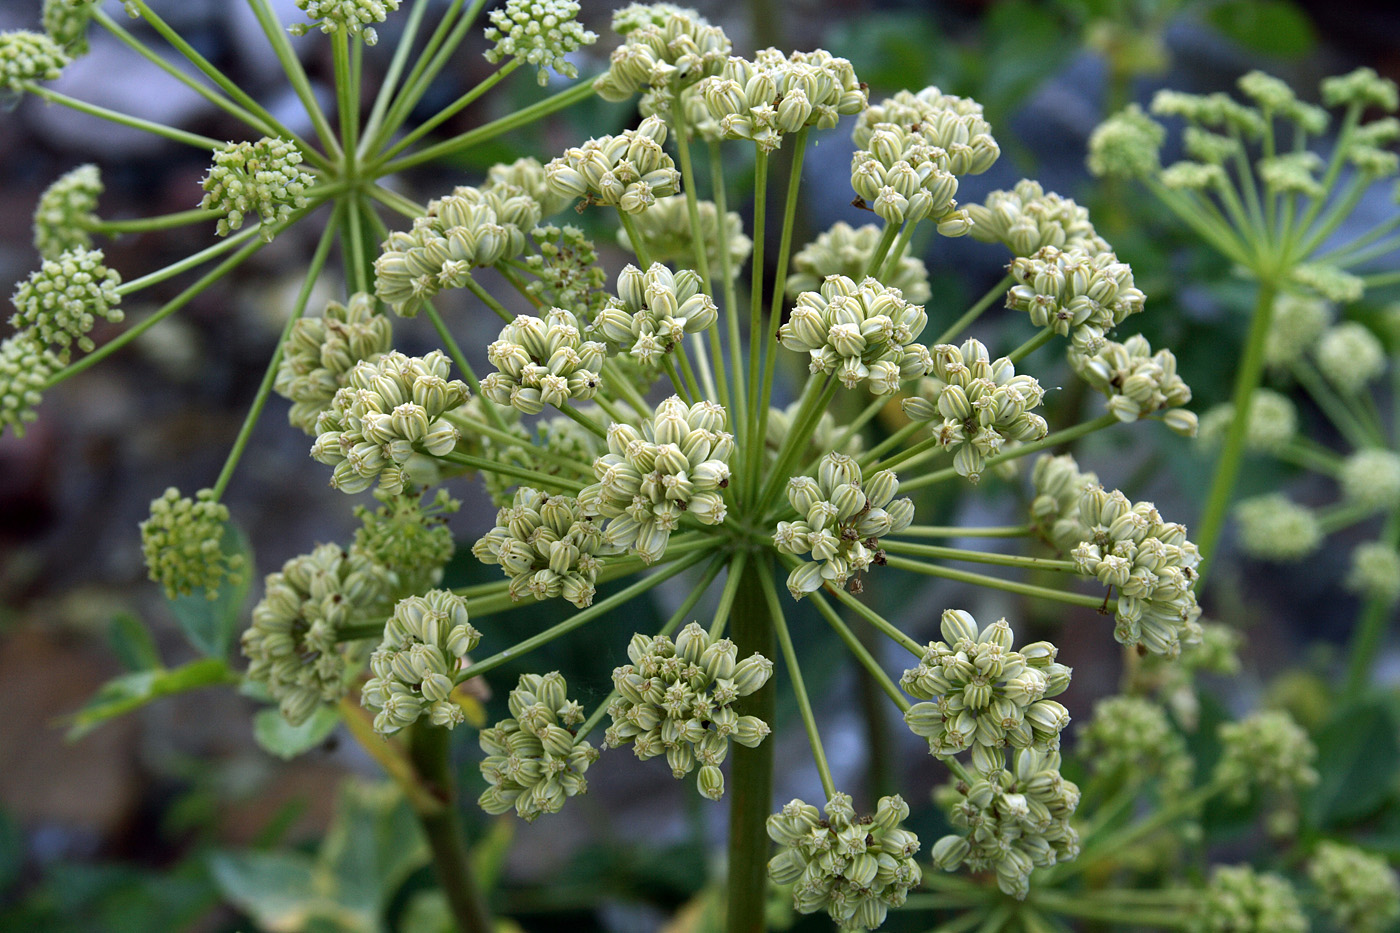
point(25, 368)
point(1350, 356)
point(864, 332)
point(1370, 478)
point(27, 56)
point(1137, 382)
point(855, 869)
point(356, 17)
point(469, 229)
point(1072, 290)
point(776, 95)
point(629, 171)
point(1359, 890)
point(982, 405)
point(1130, 739)
point(1274, 527)
point(388, 410)
point(666, 48)
point(1011, 819)
point(183, 544)
point(848, 251)
point(408, 538)
point(1273, 422)
point(414, 668)
point(539, 32)
point(291, 645)
point(60, 303)
point(654, 311)
point(676, 698)
point(1375, 572)
point(533, 760)
point(955, 125)
point(1299, 320)
point(1027, 218)
point(667, 235)
point(903, 177)
point(66, 210)
point(568, 272)
point(978, 692)
point(1126, 545)
point(677, 464)
point(1240, 900)
point(66, 23)
point(1265, 750)
point(542, 361)
point(546, 545)
point(1058, 486)
point(843, 515)
point(320, 352)
point(261, 177)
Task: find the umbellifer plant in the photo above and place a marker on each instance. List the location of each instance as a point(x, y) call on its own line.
point(629, 428)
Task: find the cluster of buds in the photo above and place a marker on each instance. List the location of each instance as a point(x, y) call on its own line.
point(1126, 545)
point(954, 126)
point(1027, 218)
point(776, 95)
point(356, 17)
point(66, 210)
point(527, 174)
point(27, 56)
point(843, 517)
point(1058, 486)
point(653, 311)
point(666, 48)
point(320, 352)
point(1359, 890)
point(1072, 290)
point(1370, 478)
point(982, 404)
point(1138, 382)
point(1240, 900)
point(534, 761)
point(1299, 320)
point(540, 33)
point(408, 538)
point(677, 464)
point(25, 368)
point(1126, 145)
point(66, 23)
point(183, 544)
point(1273, 422)
point(546, 545)
point(1375, 572)
point(261, 177)
point(676, 698)
point(60, 303)
point(542, 361)
point(1329, 281)
point(629, 171)
point(823, 438)
point(902, 177)
point(389, 410)
point(1265, 750)
point(978, 692)
point(1274, 527)
point(846, 250)
point(855, 869)
point(414, 668)
point(1350, 356)
point(469, 229)
point(863, 332)
point(1011, 820)
point(667, 235)
point(291, 645)
point(567, 270)
point(1130, 739)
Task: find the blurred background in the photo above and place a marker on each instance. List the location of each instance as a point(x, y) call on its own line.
point(123, 829)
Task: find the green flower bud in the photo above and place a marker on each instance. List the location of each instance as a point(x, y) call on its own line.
point(354, 16)
point(29, 56)
point(541, 33)
point(68, 207)
point(60, 303)
point(182, 542)
point(1273, 527)
point(259, 177)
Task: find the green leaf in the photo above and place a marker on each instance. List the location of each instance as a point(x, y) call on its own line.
point(210, 624)
point(1358, 756)
point(1271, 27)
point(132, 691)
point(277, 889)
point(132, 643)
point(287, 741)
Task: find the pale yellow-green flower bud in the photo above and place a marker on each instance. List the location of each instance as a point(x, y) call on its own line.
point(1375, 572)
point(1371, 478)
point(66, 210)
point(259, 177)
point(1127, 144)
point(1360, 891)
point(183, 544)
point(29, 56)
point(540, 33)
point(1240, 900)
point(1350, 356)
point(60, 303)
point(356, 17)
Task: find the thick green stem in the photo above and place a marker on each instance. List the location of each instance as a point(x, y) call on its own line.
point(751, 775)
point(1247, 379)
point(428, 748)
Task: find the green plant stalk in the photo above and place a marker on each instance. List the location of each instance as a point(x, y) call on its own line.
point(977, 557)
point(955, 531)
point(296, 75)
point(397, 104)
point(799, 687)
point(877, 404)
point(870, 615)
point(583, 421)
point(452, 109)
point(428, 748)
point(396, 202)
point(1333, 406)
point(543, 480)
point(245, 433)
point(861, 651)
point(1375, 617)
point(460, 359)
point(731, 298)
point(1247, 379)
point(148, 224)
point(196, 140)
point(748, 439)
point(502, 437)
point(1030, 346)
point(889, 443)
point(996, 583)
point(974, 312)
point(882, 248)
point(816, 396)
point(751, 771)
point(727, 595)
point(382, 98)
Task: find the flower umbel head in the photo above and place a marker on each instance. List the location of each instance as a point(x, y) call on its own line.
point(183, 544)
point(533, 760)
point(425, 641)
point(540, 33)
point(258, 177)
